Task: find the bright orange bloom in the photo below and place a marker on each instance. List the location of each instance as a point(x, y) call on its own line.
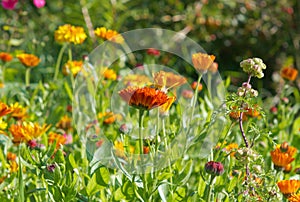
point(281, 159)
point(11, 156)
point(109, 117)
point(287, 168)
point(144, 98)
point(168, 79)
point(64, 123)
point(59, 139)
point(294, 198)
point(70, 34)
point(289, 73)
point(235, 114)
point(28, 60)
point(288, 187)
point(72, 67)
point(110, 74)
point(252, 112)
point(5, 57)
point(202, 61)
point(4, 109)
point(27, 131)
point(109, 34)
point(18, 111)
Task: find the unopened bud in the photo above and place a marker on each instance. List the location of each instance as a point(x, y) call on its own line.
point(214, 168)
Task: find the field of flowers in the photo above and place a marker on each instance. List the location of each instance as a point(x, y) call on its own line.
point(144, 113)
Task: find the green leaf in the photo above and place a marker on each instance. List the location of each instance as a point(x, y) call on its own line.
point(72, 161)
point(92, 186)
point(102, 176)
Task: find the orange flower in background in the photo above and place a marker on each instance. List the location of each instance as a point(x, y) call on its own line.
point(294, 198)
point(143, 98)
point(64, 123)
point(11, 156)
point(109, 34)
point(18, 111)
point(288, 187)
point(194, 85)
point(4, 109)
point(289, 73)
point(110, 74)
point(202, 61)
point(27, 131)
point(168, 79)
point(28, 60)
point(59, 139)
point(282, 159)
point(252, 112)
point(235, 114)
point(72, 67)
point(109, 117)
point(70, 34)
point(137, 80)
point(5, 57)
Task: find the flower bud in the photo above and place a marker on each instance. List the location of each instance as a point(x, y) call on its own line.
point(246, 85)
point(124, 128)
point(214, 168)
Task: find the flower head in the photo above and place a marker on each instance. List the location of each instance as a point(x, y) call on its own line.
point(289, 73)
point(109, 117)
point(213, 67)
point(18, 111)
point(254, 67)
point(9, 4)
point(64, 123)
point(59, 139)
point(145, 98)
point(168, 79)
point(282, 158)
point(109, 34)
point(294, 198)
point(70, 34)
point(110, 74)
point(5, 57)
point(28, 60)
point(153, 51)
point(72, 67)
point(288, 187)
point(202, 61)
point(4, 109)
point(214, 168)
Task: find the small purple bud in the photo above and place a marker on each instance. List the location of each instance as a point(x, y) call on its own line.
point(51, 167)
point(124, 128)
point(247, 85)
point(214, 168)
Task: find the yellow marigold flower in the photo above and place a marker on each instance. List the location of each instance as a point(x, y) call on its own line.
point(289, 73)
point(168, 79)
point(288, 187)
point(294, 198)
point(28, 60)
point(64, 123)
point(202, 61)
point(13, 166)
point(59, 139)
point(70, 34)
point(120, 149)
point(281, 159)
point(11, 156)
point(143, 98)
point(4, 109)
point(5, 57)
point(18, 111)
point(72, 67)
point(138, 80)
point(109, 117)
point(109, 34)
point(231, 146)
point(110, 74)
point(163, 109)
point(27, 131)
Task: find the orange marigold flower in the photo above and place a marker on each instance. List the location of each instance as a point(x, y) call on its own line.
point(59, 139)
point(109, 34)
point(5, 57)
point(168, 79)
point(72, 67)
point(281, 159)
point(27, 131)
point(109, 117)
point(145, 98)
point(294, 198)
point(202, 61)
point(289, 73)
point(70, 34)
point(288, 187)
point(4, 109)
point(28, 60)
point(110, 74)
point(18, 111)
point(252, 112)
point(138, 80)
point(64, 123)
point(235, 114)
point(11, 156)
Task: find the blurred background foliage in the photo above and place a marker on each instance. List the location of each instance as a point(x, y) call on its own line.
point(230, 29)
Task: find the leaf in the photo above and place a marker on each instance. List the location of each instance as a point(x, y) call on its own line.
point(92, 186)
point(102, 176)
point(72, 161)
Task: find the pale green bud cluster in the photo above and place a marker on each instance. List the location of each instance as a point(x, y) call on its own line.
point(254, 67)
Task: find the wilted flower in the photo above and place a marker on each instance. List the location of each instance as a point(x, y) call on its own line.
point(28, 60)
point(5, 57)
point(153, 51)
point(254, 67)
point(202, 61)
point(214, 168)
point(70, 34)
point(289, 73)
point(72, 67)
point(288, 187)
point(9, 4)
point(109, 34)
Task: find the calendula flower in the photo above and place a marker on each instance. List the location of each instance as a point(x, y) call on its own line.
point(138, 80)
point(18, 111)
point(27, 131)
point(70, 34)
point(168, 79)
point(72, 67)
point(164, 109)
point(11, 156)
point(289, 73)
point(109, 117)
point(4, 109)
point(110, 74)
point(59, 139)
point(109, 34)
point(294, 198)
point(28, 60)
point(145, 98)
point(288, 187)
point(202, 61)
point(282, 158)
point(5, 57)
point(64, 123)
point(13, 167)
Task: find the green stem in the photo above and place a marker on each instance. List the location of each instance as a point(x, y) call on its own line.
point(209, 196)
point(27, 77)
point(195, 97)
point(70, 53)
point(21, 185)
point(59, 60)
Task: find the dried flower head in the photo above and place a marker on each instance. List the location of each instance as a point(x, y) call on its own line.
point(214, 168)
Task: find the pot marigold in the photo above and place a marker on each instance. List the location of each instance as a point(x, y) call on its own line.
point(5, 57)
point(70, 34)
point(72, 67)
point(59, 139)
point(294, 198)
point(168, 79)
point(202, 61)
point(289, 73)
point(110, 74)
point(28, 60)
point(145, 98)
point(108, 34)
point(4, 109)
point(281, 159)
point(288, 187)
point(18, 111)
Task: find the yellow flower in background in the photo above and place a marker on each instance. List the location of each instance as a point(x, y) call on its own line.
point(202, 61)
point(4, 109)
point(109, 117)
point(28, 60)
point(70, 34)
point(27, 131)
point(59, 139)
point(5, 57)
point(18, 111)
point(109, 34)
point(72, 67)
point(288, 187)
point(64, 123)
point(3, 126)
point(13, 166)
point(110, 74)
point(138, 80)
point(120, 149)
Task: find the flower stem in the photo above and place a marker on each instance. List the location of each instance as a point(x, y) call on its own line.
point(209, 196)
point(21, 185)
point(59, 60)
point(195, 97)
point(27, 77)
